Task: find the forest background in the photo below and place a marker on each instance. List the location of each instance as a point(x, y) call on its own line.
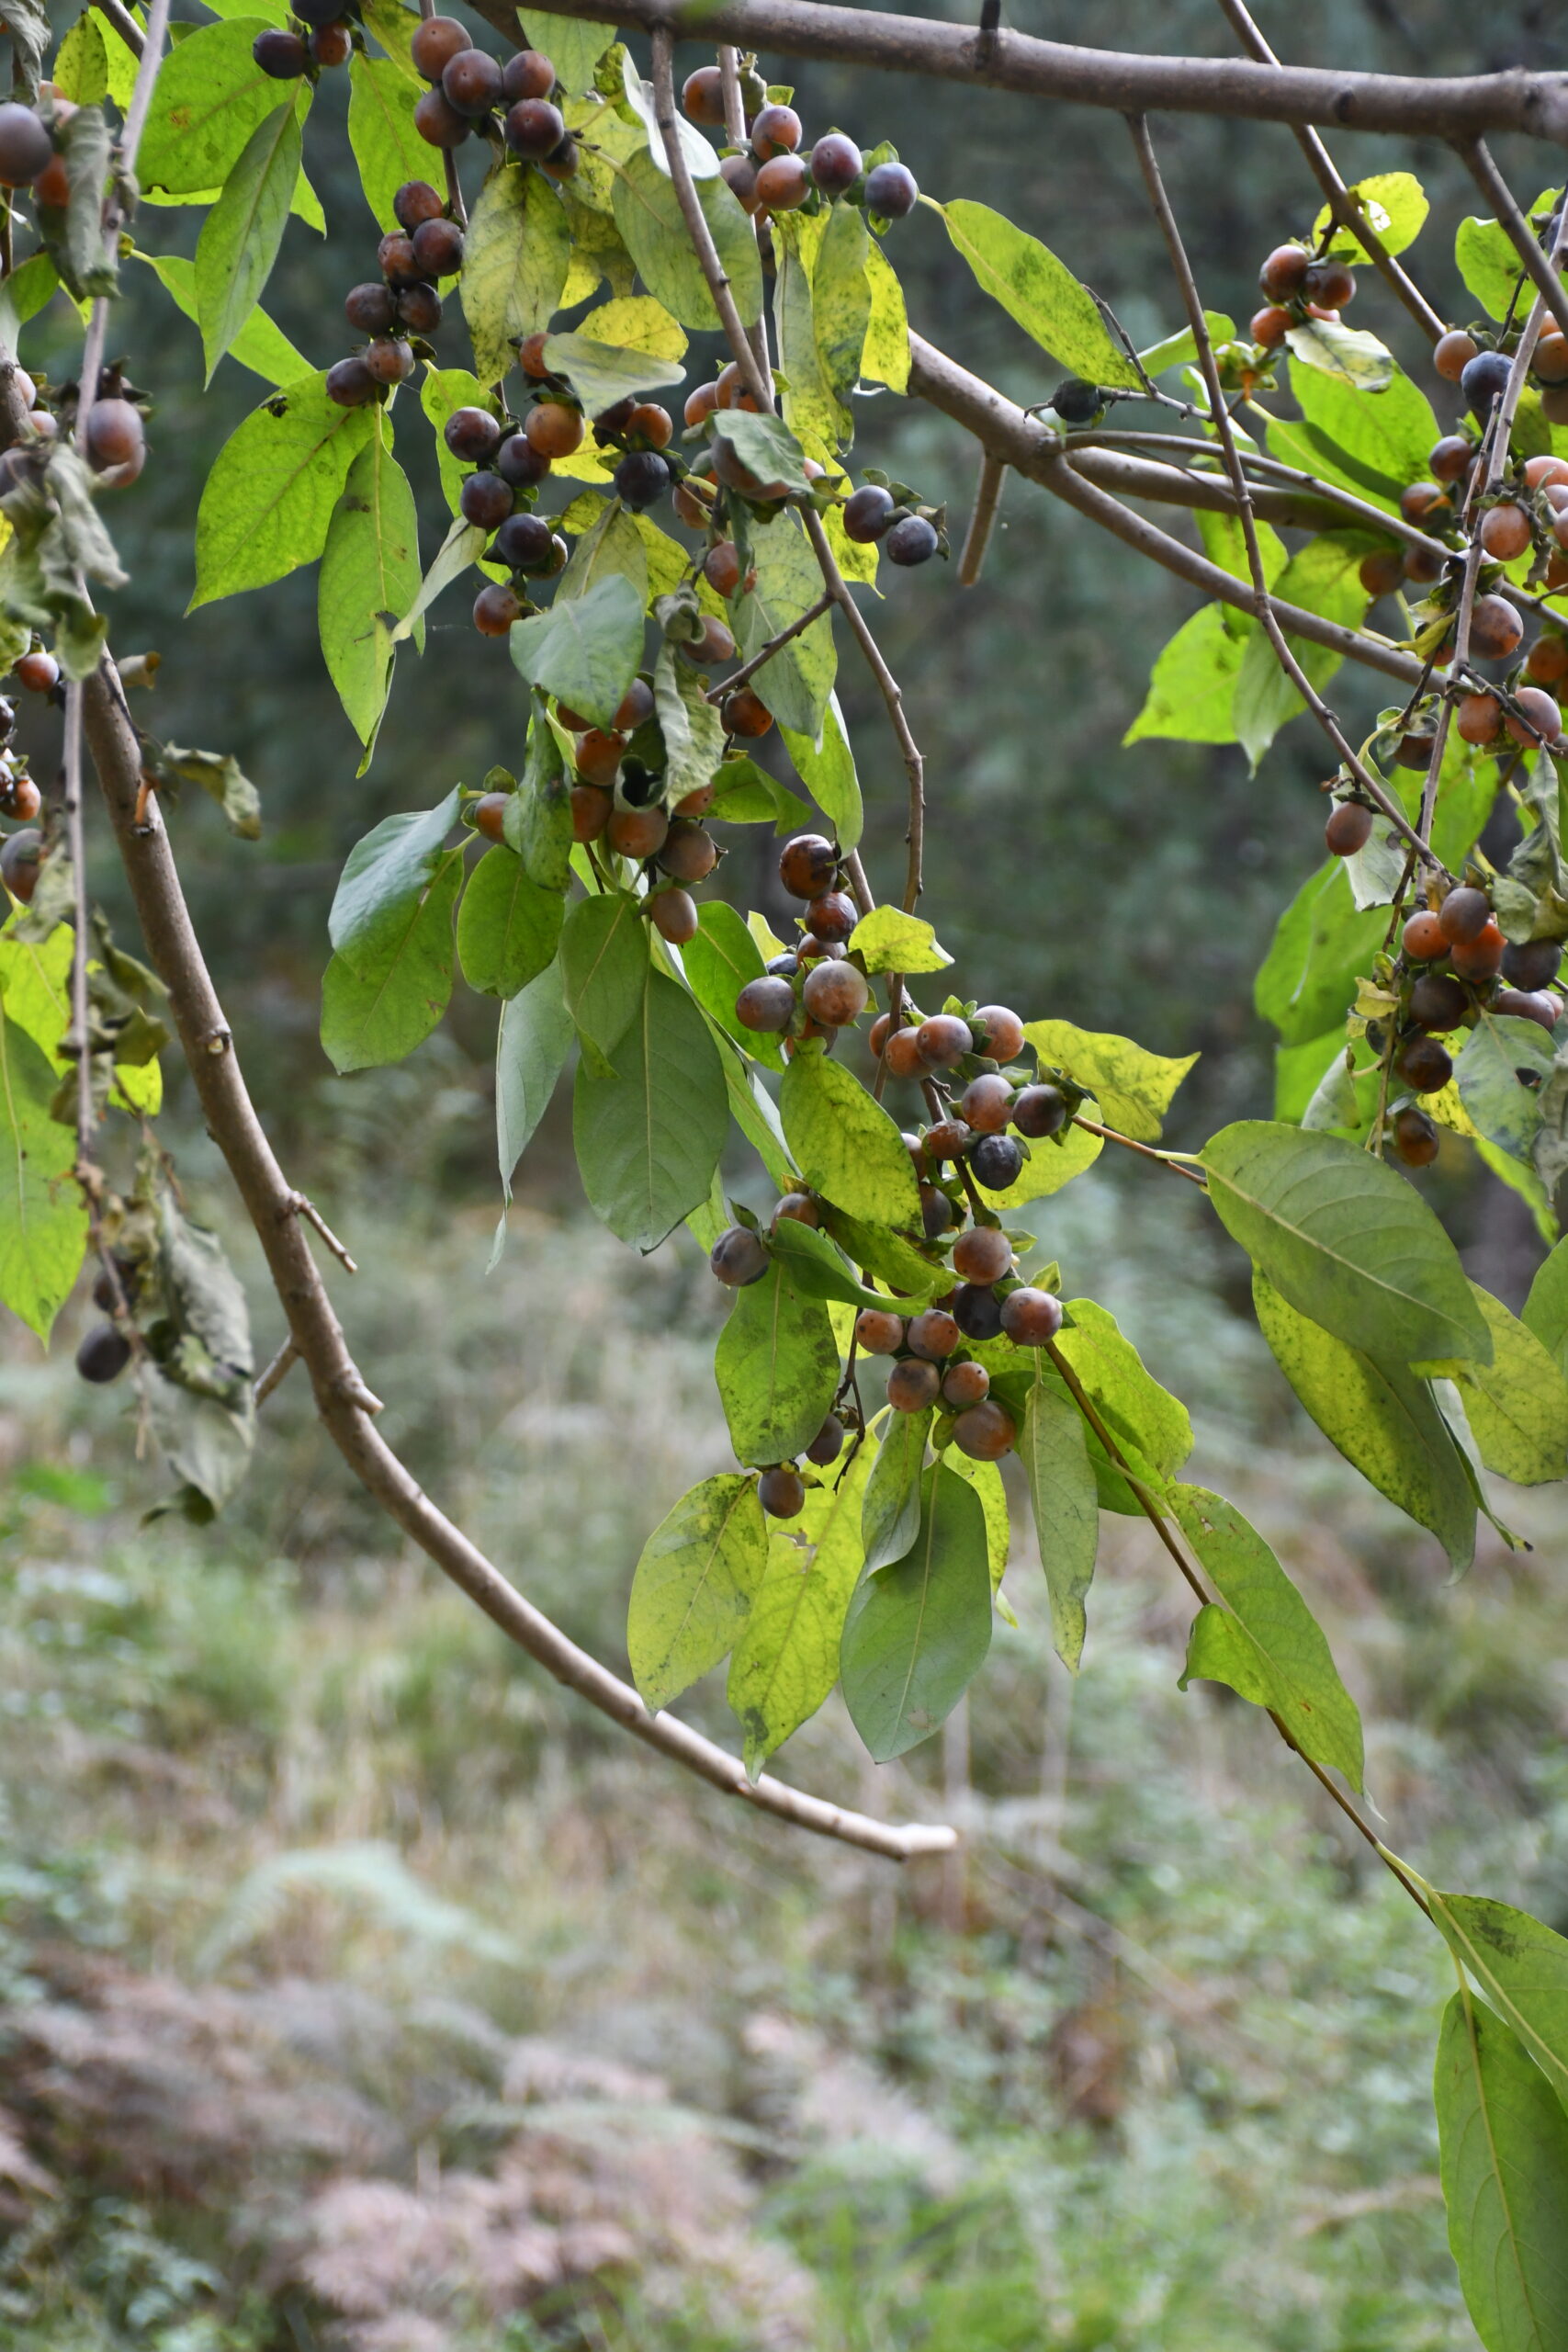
point(359, 1989)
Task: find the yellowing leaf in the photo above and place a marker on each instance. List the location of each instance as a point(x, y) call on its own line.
point(1133, 1086)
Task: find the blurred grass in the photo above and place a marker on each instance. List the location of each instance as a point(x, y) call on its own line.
point(333, 1938)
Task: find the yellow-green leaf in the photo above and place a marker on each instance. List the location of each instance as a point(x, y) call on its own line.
point(1133, 1087)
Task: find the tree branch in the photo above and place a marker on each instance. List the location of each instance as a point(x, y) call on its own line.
point(1495, 189)
point(749, 670)
point(1343, 208)
point(1263, 603)
point(983, 521)
point(1033, 450)
point(1452, 107)
point(342, 1398)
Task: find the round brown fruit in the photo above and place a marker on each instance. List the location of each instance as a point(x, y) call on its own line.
point(1451, 457)
point(674, 914)
point(435, 43)
point(25, 145)
point(1504, 532)
point(1281, 276)
point(390, 359)
point(553, 430)
point(1423, 938)
point(721, 567)
point(879, 1332)
point(1421, 565)
point(599, 756)
point(1032, 1319)
point(1437, 1001)
point(1546, 660)
point(776, 132)
point(1537, 1005)
point(1424, 1064)
point(835, 993)
point(19, 857)
point(415, 202)
point(833, 917)
point(745, 714)
point(1420, 499)
point(638, 833)
point(1551, 360)
point(943, 1041)
point(635, 705)
point(438, 246)
point(827, 1444)
point(998, 1031)
point(1535, 718)
point(1415, 1137)
point(490, 815)
point(1349, 828)
point(472, 435)
point(37, 670)
point(1039, 1111)
point(781, 1490)
point(688, 852)
point(437, 121)
point(737, 1257)
point(350, 383)
point(963, 1385)
point(1479, 718)
point(1545, 473)
point(21, 800)
point(716, 644)
point(1533, 963)
point(115, 435)
point(370, 308)
point(1463, 914)
point(933, 1334)
point(471, 83)
point(1381, 572)
point(1271, 326)
point(535, 129)
point(592, 809)
point(936, 1211)
point(984, 1254)
point(739, 176)
point(947, 1141)
point(528, 74)
point(808, 866)
point(783, 185)
point(496, 607)
point(1479, 958)
point(1495, 628)
point(1452, 353)
point(702, 97)
point(912, 1386)
point(987, 1104)
point(836, 163)
point(799, 1208)
point(984, 1433)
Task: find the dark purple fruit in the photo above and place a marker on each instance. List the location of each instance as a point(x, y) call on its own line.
point(281, 55)
point(522, 543)
point(995, 1162)
point(827, 1444)
point(535, 129)
point(520, 463)
point(438, 246)
point(737, 1257)
point(782, 1491)
point(867, 513)
point(1485, 378)
point(369, 306)
point(419, 308)
point(641, 478)
point(486, 500)
point(836, 163)
point(1533, 964)
point(1039, 1111)
point(891, 190)
point(1437, 1001)
point(977, 1310)
point(1031, 1319)
point(470, 82)
point(472, 435)
point(415, 202)
point(350, 383)
point(1424, 1064)
point(936, 1211)
point(104, 1353)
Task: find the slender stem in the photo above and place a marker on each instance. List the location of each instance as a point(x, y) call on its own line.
point(123, 22)
point(735, 130)
point(983, 521)
point(276, 1373)
point(1146, 1151)
point(1342, 205)
point(1547, 280)
point(1263, 604)
point(748, 670)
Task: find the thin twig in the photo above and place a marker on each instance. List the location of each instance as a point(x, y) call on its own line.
point(1549, 283)
point(983, 521)
point(123, 22)
point(1263, 604)
point(749, 670)
point(276, 1373)
point(1130, 1143)
point(1342, 205)
point(299, 1205)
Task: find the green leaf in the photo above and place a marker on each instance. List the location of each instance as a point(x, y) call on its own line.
point(815, 1267)
point(602, 373)
point(1323, 578)
point(745, 794)
point(531, 1050)
point(796, 683)
point(604, 972)
point(382, 1016)
point(1485, 1072)
point(1181, 349)
point(886, 356)
point(267, 505)
point(647, 215)
point(1393, 204)
point(507, 927)
point(515, 259)
point(1345, 1240)
point(917, 1632)
point(459, 549)
point(986, 1480)
point(219, 773)
point(261, 345)
point(1349, 354)
point(1381, 1418)
point(1065, 1502)
point(840, 297)
point(1546, 1309)
point(1486, 260)
point(1521, 1965)
point(241, 235)
point(811, 407)
point(573, 45)
point(1266, 1643)
point(887, 1254)
point(690, 724)
point(890, 1514)
point(1142, 1416)
point(1517, 1405)
point(383, 879)
point(887, 941)
point(767, 448)
point(694, 1585)
point(1322, 944)
point(81, 63)
point(386, 147)
point(826, 769)
point(777, 1366)
point(1382, 443)
point(1039, 292)
point(394, 26)
point(718, 963)
point(786, 1658)
point(43, 1221)
point(209, 97)
point(1133, 1086)
point(1504, 2141)
point(845, 1145)
point(1193, 683)
point(585, 651)
point(74, 236)
point(369, 580)
point(648, 1138)
point(611, 547)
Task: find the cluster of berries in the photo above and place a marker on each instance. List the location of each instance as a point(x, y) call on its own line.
point(1454, 963)
point(22, 854)
point(1298, 285)
point(427, 246)
point(771, 175)
point(470, 91)
point(325, 39)
point(106, 1348)
point(1480, 368)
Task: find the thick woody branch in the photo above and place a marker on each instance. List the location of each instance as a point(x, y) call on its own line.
point(342, 1398)
point(1455, 107)
point(1030, 450)
point(1545, 276)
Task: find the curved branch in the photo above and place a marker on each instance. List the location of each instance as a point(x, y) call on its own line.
point(342, 1398)
point(1548, 281)
point(1453, 107)
point(1030, 448)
